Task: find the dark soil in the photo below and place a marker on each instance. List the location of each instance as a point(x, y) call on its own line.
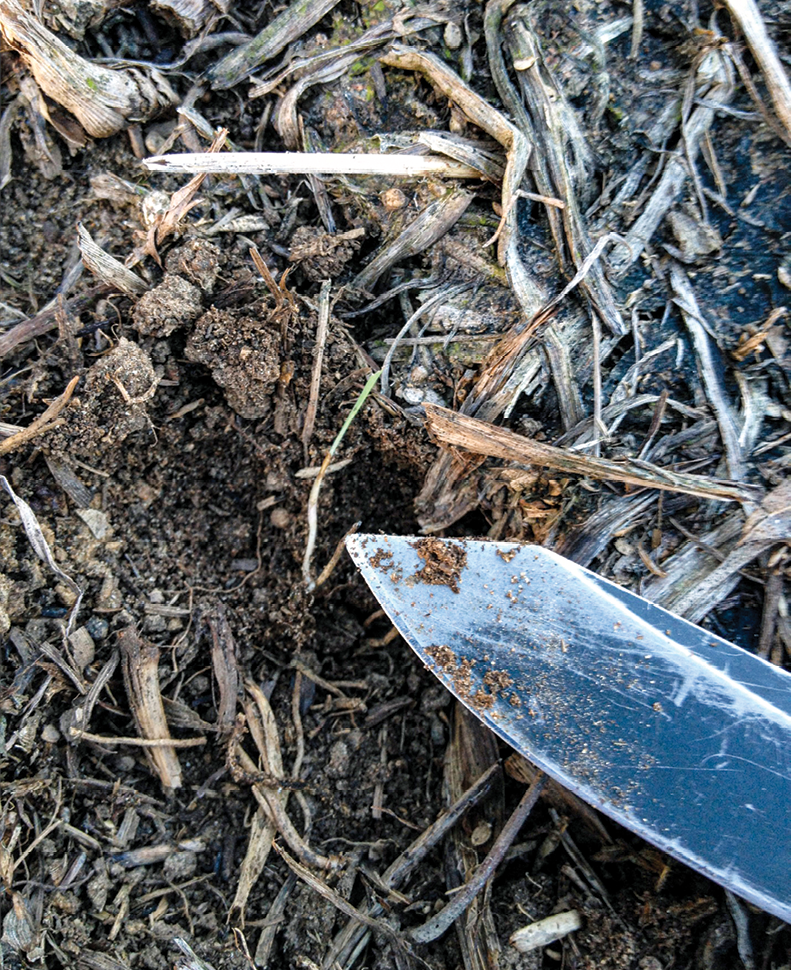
point(171, 493)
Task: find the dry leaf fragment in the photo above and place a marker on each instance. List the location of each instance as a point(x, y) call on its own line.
point(432, 224)
point(103, 100)
point(21, 929)
point(107, 268)
point(40, 148)
point(42, 549)
point(189, 15)
point(290, 24)
point(180, 204)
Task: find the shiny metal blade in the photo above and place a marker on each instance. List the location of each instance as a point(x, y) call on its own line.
point(673, 732)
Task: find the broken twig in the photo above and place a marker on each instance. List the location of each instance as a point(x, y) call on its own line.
point(43, 423)
point(458, 430)
point(438, 924)
point(140, 662)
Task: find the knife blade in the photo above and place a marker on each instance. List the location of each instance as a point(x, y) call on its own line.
point(675, 733)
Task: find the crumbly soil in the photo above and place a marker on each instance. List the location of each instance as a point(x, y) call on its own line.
point(173, 491)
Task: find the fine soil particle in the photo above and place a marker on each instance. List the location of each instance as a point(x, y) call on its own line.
point(458, 674)
point(498, 680)
point(444, 563)
point(443, 656)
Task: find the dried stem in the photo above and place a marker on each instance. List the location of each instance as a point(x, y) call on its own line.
point(141, 677)
point(596, 335)
point(436, 926)
point(482, 114)
point(336, 899)
point(326, 573)
point(402, 867)
point(747, 16)
point(711, 369)
point(226, 668)
point(43, 423)
point(47, 319)
point(460, 431)
point(316, 374)
point(310, 163)
point(77, 734)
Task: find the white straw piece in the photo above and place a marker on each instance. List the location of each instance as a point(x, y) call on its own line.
point(309, 163)
point(545, 931)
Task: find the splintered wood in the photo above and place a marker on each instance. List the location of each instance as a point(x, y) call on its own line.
point(140, 664)
point(456, 430)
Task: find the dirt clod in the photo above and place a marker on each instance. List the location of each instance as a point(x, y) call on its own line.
point(198, 260)
point(322, 256)
point(169, 306)
point(242, 352)
point(112, 405)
